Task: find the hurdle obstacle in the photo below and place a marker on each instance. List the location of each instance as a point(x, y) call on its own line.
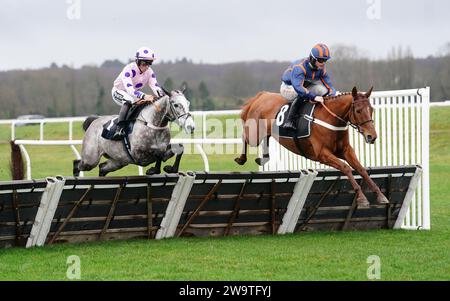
point(59, 210)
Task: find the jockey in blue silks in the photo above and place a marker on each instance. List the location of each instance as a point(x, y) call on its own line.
point(306, 80)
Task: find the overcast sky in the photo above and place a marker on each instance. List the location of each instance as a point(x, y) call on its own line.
point(34, 33)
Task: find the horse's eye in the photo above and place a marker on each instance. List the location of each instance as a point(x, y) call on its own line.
point(176, 105)
point(358, 111)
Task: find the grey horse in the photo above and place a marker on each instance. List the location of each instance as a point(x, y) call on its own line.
point(150, 139)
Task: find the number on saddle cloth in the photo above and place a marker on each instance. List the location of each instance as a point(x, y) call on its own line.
point(304, 121)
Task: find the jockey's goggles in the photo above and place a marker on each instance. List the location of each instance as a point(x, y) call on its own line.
point(147, 63)
point(321, 60)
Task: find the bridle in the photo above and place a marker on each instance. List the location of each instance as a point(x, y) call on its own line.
point(356, 126)
point(170, 115)
point(170, 107)
point(174, 113)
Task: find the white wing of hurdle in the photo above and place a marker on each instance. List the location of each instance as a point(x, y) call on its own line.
point(403, 126)
point(176, 205)
point(46, 211)
point(295, 206)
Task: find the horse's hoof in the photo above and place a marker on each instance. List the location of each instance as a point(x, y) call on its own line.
point(381, 199)
point(152, 171)
point(261, 161)
point(170, 169)
point(101, 171)
point(240, 161)
point(363, 205)
point(362, 202)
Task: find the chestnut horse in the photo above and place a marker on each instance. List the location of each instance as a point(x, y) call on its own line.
point(329, 139)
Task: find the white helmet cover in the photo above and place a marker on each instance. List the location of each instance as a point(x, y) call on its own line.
point(145, 53)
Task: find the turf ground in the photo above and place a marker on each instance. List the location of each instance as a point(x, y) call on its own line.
point(404, 255)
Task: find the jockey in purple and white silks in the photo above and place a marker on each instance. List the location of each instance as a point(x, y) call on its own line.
point(135, 76)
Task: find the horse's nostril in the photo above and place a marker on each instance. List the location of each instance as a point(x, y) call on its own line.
point(369, 137)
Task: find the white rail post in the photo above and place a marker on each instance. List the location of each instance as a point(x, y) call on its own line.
point(41, 130)
point(204, 125)
point(425, 94)
point(13, 131)
point(27, 160)
point(203, 155)
point(71, 129)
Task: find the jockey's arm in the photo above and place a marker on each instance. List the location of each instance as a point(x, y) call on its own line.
point(153, 84)
point(327, 83)
point(297, 80)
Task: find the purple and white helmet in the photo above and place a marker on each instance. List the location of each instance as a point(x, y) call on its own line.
point(145, 54)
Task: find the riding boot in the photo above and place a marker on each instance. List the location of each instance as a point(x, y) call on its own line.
point(120, 130)
point(291, 121)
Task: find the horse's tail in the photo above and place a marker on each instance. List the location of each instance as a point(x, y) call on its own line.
point(16, 165)
point(246, 107)
point(88, 122)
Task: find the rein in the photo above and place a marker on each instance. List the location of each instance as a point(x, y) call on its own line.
point(356, 126)
point(170, 117)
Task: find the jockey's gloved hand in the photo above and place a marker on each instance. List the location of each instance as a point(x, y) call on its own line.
point(149, 97)
point(160, 93)
point(318, 99)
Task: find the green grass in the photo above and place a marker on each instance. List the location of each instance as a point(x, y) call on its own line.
point(309, 256)
point(405, 255)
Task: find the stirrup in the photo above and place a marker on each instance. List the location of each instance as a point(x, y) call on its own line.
point(119, 133)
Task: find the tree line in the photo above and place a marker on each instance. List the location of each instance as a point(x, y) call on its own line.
point(65, 91)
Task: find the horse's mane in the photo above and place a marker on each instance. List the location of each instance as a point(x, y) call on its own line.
point(145, 104)
point(336, 96)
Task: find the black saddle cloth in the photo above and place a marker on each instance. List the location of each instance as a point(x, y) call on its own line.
point(110, 127)
point(303, 125)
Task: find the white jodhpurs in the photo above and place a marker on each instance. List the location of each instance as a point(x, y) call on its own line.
point(288, 92)
point(315, 87)
point(120, 97)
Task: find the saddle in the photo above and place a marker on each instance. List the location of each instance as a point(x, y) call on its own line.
point(303, 126)
point(109, 128)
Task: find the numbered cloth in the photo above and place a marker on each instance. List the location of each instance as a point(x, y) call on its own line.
point(303, 121)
